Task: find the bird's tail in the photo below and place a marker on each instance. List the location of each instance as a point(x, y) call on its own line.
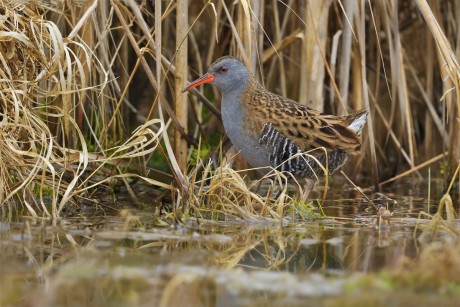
point(357, 121)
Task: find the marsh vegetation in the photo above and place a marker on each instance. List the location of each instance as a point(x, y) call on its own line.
point(102, 155)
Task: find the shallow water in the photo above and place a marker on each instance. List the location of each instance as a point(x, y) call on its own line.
point(128, 259)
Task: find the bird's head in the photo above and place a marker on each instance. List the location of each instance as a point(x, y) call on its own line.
point(227, 73)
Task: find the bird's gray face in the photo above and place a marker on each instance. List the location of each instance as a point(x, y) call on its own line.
point(227, 73)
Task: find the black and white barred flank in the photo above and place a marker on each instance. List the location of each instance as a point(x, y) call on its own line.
point(286, 156)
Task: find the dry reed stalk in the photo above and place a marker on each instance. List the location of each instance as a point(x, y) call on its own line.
point(345, 58)
point(403, 96)
point(240, 47)
point(328, 69)
point(244, 28)
point(365, 92)
point(258, 14)
point(312, 74)
point(333, 61)
point(181, 106)
point(87, 36)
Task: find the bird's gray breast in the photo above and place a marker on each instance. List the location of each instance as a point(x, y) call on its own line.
point(247, 142)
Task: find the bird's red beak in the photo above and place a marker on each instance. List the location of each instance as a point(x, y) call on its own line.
point(206, 78)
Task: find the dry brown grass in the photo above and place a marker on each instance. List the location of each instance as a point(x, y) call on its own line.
point(78, 76)
point(47, 83)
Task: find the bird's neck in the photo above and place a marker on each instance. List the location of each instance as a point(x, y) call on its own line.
point(232, 105)
point(233, 109)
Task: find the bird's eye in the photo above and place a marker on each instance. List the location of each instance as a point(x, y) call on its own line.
point(223, 69)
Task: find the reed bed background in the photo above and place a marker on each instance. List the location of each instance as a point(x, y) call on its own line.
point(91, 90)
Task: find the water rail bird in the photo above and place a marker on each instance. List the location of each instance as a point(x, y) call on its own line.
point(272, 131)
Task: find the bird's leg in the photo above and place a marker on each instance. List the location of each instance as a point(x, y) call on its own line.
point(302, 194)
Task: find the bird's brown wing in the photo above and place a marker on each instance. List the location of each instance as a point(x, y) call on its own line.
point(307, 128)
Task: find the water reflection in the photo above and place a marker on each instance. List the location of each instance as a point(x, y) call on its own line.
point(202, 263)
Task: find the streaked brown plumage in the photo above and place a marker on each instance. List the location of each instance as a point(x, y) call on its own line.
point(306, 127)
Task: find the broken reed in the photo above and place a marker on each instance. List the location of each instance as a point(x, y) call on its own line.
point(118, 64)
